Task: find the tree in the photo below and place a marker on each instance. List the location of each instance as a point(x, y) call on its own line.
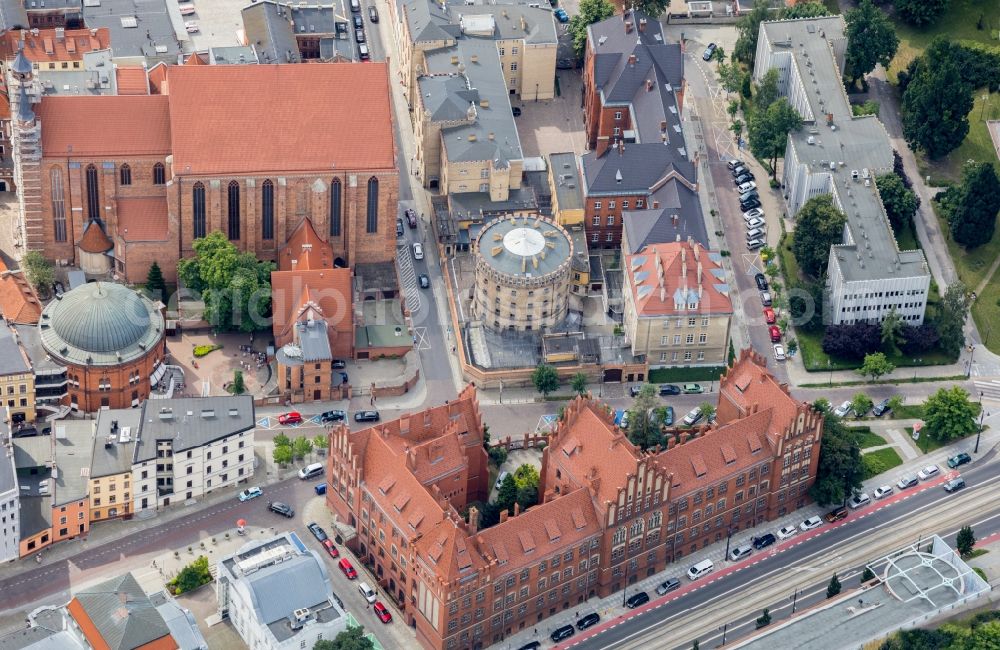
point(811, 9)
point(948, 414)
point(642, 430)
point(822, 405)
point(833, 588)
point(282, 454)
point(545, 379)
point(154, 282)
point(321, 441)
point(892, 333)
point(769, 128)
point(936, 103)
point(918, 339)
point(871, 40)
point(867, 575)
point(900, 202)
point(766, 92)
point(973, 216)
point(748, 27)
point(526, 478)
point(235, 286)
point(353, 638)
point(965, 541)
point(737, 128)
point(764, 619)
point(876, 365)
point(192, 576)
point(498, 455)
point(652, 8)
point(39, 272)
point(840, 469)
point(861, 404)
point(920, 12)
point(730, 75)
point(507, 494)
point(591, 11)
point(239, 387)
point(819, 225)
point(579, 383)
point(281, 440)
point(707, 410)
point(951, 318)
point(895, 402)
point(852, 340)
point(694, 646)
point(301, 447)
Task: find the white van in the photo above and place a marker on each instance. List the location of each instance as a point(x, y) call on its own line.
point(703, 568)
point(501, 478)
point(311, 471)
point(367, 592)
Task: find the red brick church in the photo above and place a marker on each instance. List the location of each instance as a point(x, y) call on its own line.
point(111, 183)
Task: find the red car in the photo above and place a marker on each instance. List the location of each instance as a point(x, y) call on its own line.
point(348, 569)
point(330, 548)
point(769, 316)
point(293, 417)
point(775, 334)
point(382, 613)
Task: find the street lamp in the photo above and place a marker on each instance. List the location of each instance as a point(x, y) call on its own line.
point(795, 598)
point(724, 629)
point(729, 536)
point(829, 366)
point(625, 587)
point(972, 355)
point(981, 414)
point(501, 391)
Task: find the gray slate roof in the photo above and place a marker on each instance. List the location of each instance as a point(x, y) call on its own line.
point(122, 613)
point(280, 589)
point(11, 357)
point(269, 31)
point(231, 55)
point(116, 459)
point(35, 451)
point(447, 97)
point(12, 15)
point(633, 170)
point(429, 22)
point(656, 226)
point(314, 341)
point(313, 19)
point(155, 36)
point(192, 422)
point(74, 449)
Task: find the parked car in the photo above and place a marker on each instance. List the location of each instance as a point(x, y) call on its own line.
point(332, 416)
point(765, 298)
point(907, 481)
point(563, 632)
point(292, 417)
point(775, 333)
point(734, 163)
point(668, 416)
point(691, 418)
point(738, 170)
point(372, 13)
point(359, 22)
point(531, 645)
point(330, 548)
point(954, 484)
point(836, 514)
point(668, 585)
point(191, 27)
point(561, 15)
point(761, 282)
point(927, 472)
point(764, 541)
point(339, 364)
point(750, 204)
point(634, 390)
point(669, 389)
point(638, 599)
point(755, 244)
point(381, 610)
point(281, 509)
point(250, 493)
point(842, 410)
point(881, 408)
point(347, 568)
point(749, 186)
point(786, 531)
point(859, 501)
point(317, 531)
point(749, 195)
point(882, 492)
point(366, 591)
point(756, 222)
point(740, 552)
point(624, 421)
point(411, 217)
point(744, 177)
point(516, 110)
point(363, 52)
point(709, 51)
point(750, 214)
point(366, 416)
point(755, 233)
point(425, 282)
point(359, 35)
point(588, 621)
point(779, 352)
point(959, 459)
point(418, 251)
point(769, 316)
point(565, 64)
point(186, 10)
point(399, 227)
point(692, 389)
point(810, 523)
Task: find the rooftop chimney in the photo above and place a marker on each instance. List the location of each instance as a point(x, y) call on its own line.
point(649, 84)
point(517, 508)
point(642, 24)
point(473, 520)
point(503, 516)
point(631, 57)
point(829, 118)
point(628, 26)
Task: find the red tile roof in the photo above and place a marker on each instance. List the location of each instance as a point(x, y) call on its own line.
point(143, 219)
point(132, 80)
point(294, 117)
point(158, 79)
point(328, 289)
point(46, 47)
point(94, 239)
point(747, 385)
point(105, 125)
point(685, 267)
point(18, 302)
point(306, 249)
point(195, 59)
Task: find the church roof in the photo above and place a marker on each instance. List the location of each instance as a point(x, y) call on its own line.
point(94, 239)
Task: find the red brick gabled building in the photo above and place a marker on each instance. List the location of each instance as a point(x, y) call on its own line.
point(609, 515)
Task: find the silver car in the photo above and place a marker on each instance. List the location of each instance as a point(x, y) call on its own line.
point(754, 222)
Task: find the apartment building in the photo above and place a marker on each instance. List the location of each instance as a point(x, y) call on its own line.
point(677, 308)
point(839, 154)
point(17, 381)
point(188, 447)
point(10, 506)
point(115, 435)
point(397, 488)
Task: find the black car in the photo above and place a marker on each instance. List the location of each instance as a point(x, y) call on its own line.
point(332, 416)
point(761, 281)
point(281, 508)
point(425, 282)
point(738, 170)
point(516, 111)
point(359, 22)
point(764, 541)
point(588, 621)
point(670, 389)
point(399, 227)
point(565, 64)
point(531, 645)
point(339, 364)
point(634, 601)
point(634, 390)
point(959, 459)
point(881, 408)
point(366, 416)
point(668, 585)
point(749, 194)
point(750, 204)
point(373, 14)
point(359, 35)
point(317, 531)
point(709, 51)
point(564, 632)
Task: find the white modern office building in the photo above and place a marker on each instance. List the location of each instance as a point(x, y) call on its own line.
point(839, 154)
point(10, 507)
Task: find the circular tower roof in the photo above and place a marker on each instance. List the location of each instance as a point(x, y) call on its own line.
point(100, 323)
point(524, 246)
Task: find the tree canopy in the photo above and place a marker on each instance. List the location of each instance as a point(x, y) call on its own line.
point(591, 11)
point(155, 285)
point(39, 272)
point(652, 8)
point(936, 103)
point(840, 469)
point(951, 315)
point(769, 128)
point(766, 92)
point(965, 541)
point(892, 334)
point(973, 206)
point(875, 366)
point(871, 40)
point(920, 13)
point(748, 27)
point(811, 9)
point(643, 431)
point(900, 203)
point(819, 225)
point(948, 414)
point(545, 378)
point(353, 638)
point(235, 286)
point(579, 383)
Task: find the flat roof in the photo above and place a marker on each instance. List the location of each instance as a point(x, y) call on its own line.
point(74, 449)
point(566, 177)
point(191, 422)
point(120, 428)
point(138, 27)
point(524, 246)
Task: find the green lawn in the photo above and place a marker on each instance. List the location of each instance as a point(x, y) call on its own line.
point(682, 375)
point(927, 444)
point(880, 461)
point(908, 412)
point(907, 239)
point(866, 438)
point(815, 360)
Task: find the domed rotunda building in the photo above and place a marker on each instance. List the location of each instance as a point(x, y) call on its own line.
point(110, 339)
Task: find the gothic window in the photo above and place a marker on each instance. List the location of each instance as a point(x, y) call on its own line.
point(267, 210)
point(159, 174)
point(198, 199)
point(126, 174)
point(234, 210)
point(372, 223)
point(58, 204)
point(335, 203)
point(93, 202)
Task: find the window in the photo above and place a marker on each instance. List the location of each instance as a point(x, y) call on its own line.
point(234, 210)
point(677, 339)
point(689, 339)
point(618, 115)
point(611, 203)
point(93, 203)
point(125, 173)
point(597, 220)
point(198, 201)
point(58, 204)
point(611, 219)
point(597, 205)
point(704, 321)
point(702, 338)
point(159, 174)
point(625, 204)
point(687, 356)
point(610, 237)
point(372, 223)
point(335, 208)
point(638, 203)
point(267, 210)
point(513, 67)
point(513, 50)
point(593, 238)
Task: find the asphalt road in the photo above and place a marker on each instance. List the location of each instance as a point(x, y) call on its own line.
point(911, 516)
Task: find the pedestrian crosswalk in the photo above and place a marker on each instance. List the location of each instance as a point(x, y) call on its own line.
point(408, 278)
point(990, 389)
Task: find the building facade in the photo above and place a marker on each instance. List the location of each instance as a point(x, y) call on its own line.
point(10, 505)
point(17, 381)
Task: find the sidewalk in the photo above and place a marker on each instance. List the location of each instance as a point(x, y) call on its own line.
point(611, 606)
